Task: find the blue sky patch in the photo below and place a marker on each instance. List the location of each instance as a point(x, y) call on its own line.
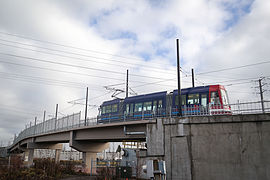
point(236, 11)
point(124, 35)
point(94, 20)
point(158, 3)
point(169, 32)
point(146, 56)
point(162, 52)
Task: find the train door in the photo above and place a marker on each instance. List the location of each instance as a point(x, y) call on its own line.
point(128, 113)
point(175, 110)
point(193, 102)
point(169, 98)
point(147, 109)
point(154, 109)
point(203, 104)
point(160, 110)
point(138, 108)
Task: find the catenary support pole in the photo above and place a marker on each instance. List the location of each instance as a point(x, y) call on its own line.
point(193, 82)
point(86, 104)
point(127, 85)
point(35, 125)
point(56, 112)
point(44, 118)
point(178, 80)
point(261, 93)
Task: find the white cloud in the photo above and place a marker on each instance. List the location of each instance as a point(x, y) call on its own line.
point(214, 35)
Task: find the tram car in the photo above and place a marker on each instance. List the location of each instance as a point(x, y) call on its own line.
point(202, 100)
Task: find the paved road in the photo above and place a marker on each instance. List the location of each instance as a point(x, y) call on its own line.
point(80, 178)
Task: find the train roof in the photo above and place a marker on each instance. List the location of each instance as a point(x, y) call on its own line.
point(146, 96)
point(199, 89)
point(135, 98)
point(114, 101)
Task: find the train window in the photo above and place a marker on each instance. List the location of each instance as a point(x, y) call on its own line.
point(193, 99)
point(138, 107)
point(103, 111)
point(224, 96)
point(214, 98)
point(127, 108)
point(154, 105)
point(114, 108)
point(183, 99)
point(160, 104)
point(131, 108)
point(203, 99)
point(147, 106)
point(108, 109)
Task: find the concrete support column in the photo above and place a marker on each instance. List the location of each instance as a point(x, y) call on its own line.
point(57, 155)
point(89, 149)
point(90, 162)
point(83, 157)
point(29, 157)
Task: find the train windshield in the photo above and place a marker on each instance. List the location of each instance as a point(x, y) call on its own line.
point(214, 98)
point(224, 96)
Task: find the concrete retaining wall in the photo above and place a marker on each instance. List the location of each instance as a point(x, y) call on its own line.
point(213, 147)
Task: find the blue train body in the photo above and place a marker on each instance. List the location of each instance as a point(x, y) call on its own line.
point(194, 100)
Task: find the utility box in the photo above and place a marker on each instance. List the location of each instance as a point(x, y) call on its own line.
point(129, 159)
point(124, 172)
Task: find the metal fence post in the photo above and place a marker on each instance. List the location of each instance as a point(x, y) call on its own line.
point(72, 120)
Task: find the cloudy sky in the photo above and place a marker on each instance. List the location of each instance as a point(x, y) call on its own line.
point(50, 51)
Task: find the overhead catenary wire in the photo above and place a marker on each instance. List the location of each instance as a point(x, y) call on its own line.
point(71, 72)
point(81, 59)
point(42, 82)
point(69, 46)
point(76, 73)
point(233, 68)
point(40, 79)
point(48, 81)
point(235, 80)
point(58, 44)
point(22, 108)
point(233, 84)
point(75, 66)
point(17, 111)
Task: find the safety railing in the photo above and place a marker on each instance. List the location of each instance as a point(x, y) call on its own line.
point(250, 107)
point(50, 126)
point(75, 121)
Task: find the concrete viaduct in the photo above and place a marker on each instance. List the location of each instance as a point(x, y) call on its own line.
point(87, 139)
point(222, 147)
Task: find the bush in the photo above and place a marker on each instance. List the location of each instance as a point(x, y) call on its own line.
point(42, 169)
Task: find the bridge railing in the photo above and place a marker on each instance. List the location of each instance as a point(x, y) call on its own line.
point(49, 126)
point(74, 120)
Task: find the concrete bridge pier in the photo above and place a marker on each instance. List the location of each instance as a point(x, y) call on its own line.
point(31, 146)
point(89, 159)
point(28, 157)
point(89, 149)
point(57, 155)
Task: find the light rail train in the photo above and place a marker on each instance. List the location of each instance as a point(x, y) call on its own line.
point(202, 100)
